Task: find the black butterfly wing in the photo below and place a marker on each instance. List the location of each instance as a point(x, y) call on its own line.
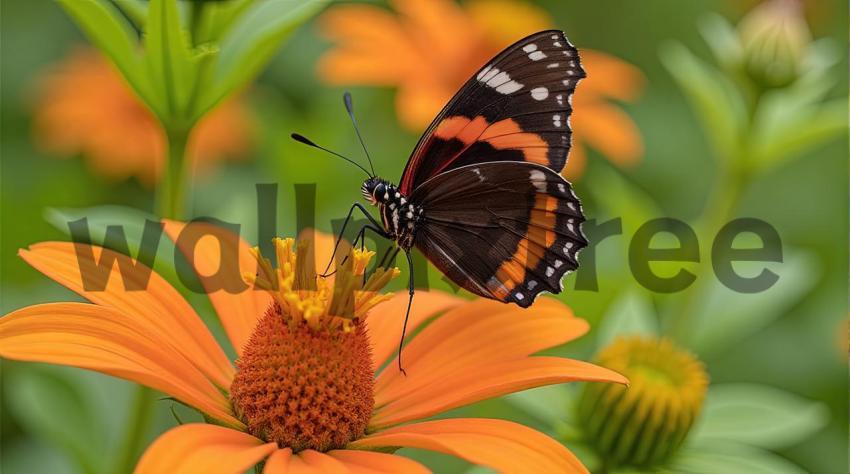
point(502, 230)
point(516, 108)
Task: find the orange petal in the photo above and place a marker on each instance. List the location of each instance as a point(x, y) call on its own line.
point(373, 47)
point(477, 335)
point(201, 448)
point(240, 311)
point(111, 342)
point(504, 22)
point(609, 130)
point(502, 445)
point(442, 29)
point(310, 461)
point(576, 161)
point(374, 462)
point(474, 384)
point(159, 307)
point(419, 100)
point(610, 77)
point(385, 321)
point(278, 462)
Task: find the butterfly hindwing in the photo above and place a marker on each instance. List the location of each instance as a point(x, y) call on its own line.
point(502, 230)
point(516, 108)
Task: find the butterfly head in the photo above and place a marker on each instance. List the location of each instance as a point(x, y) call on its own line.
point(374, 190)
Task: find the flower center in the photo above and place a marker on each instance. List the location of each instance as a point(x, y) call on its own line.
point(641, 425)
point(305, 378)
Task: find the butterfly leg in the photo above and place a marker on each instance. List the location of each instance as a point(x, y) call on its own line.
point(388, 257)
point(354, 206)
point(410, 292)
point(361, 239)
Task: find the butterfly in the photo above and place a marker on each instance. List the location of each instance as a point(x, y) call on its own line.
point(481, 196)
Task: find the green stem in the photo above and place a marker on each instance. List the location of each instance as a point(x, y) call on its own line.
point(173, 189)
point(719, 209)
point(137, 428)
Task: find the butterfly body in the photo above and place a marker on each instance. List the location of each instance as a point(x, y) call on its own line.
point(399, 215)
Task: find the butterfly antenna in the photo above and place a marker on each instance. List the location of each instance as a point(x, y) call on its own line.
point(302, 139)
point(350, 108)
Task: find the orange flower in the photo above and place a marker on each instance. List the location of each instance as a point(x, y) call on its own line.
point(433, 46)
point(84, 107)
point(308, 394)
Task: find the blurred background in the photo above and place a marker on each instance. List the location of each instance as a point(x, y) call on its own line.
point(703, 111)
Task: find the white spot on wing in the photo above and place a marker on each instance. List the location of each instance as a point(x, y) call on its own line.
point(538, 179)
point(567, 247)
point(478, 173)
point(572, 206)
point(550, 271)
point(529, 48)
point(536, 56)
point(519, 296)
point(560, 99)
point(552, 65)
point(495, 286)
point(562, 188)
point(487, 73)
point(531, 285)
point(557, 44)
point(556, 120)
point(540, 93)
point(509, 87)
point(558, 263)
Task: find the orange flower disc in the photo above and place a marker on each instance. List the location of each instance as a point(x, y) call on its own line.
point(302, 388)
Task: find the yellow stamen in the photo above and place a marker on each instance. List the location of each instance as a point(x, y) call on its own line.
point(304, 296)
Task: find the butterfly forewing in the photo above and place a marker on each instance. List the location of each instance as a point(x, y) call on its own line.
point(515, 108)
point(502, 230)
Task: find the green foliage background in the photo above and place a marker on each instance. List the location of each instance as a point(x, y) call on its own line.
point(63, 420)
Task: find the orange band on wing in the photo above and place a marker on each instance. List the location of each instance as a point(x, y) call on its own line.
point(461, 128)
point(502, 135)
point(531, 249)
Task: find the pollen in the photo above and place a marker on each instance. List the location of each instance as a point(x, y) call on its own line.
point(305, 378)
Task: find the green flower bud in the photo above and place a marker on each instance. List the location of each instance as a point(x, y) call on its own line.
point(774, 36)
point(643, 424)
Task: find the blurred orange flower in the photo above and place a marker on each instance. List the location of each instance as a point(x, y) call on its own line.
point(84, 107)
point(432, 47)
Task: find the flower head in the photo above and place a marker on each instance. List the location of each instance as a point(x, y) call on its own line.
point(645, 423)
point(775, 39)
point(83, 106)
point(432, 47)
point(314, 386)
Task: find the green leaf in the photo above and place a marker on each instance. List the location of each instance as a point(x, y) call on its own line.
point(217, 18)
point(550, 404)
point(53, 408)
point(136, 11)
point(713, 96)
point(721, 37)
point(250, 43)
point(758, 415)
point(106, 27)
point(724, 316)
point(729, 458)
point(788, 131)
point(169, 58)
point(632, 314)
